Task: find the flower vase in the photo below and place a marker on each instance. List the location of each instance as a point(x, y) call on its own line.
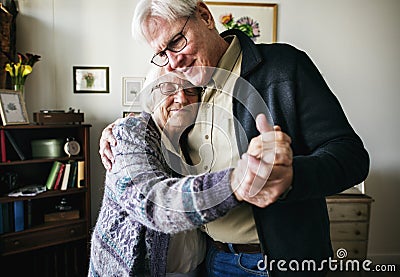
point(89, 83)
point(21, 88)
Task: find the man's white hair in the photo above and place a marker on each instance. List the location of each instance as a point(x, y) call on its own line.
point(169, 10)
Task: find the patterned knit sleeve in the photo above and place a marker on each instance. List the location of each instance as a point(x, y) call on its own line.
point(141, 183)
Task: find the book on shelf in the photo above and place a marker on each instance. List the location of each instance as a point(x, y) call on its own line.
point(29, 213)
point(7, 223)
point(19, 216)
point(81, 174)
point(3, 146)
point(57, 184)
point(67, 169)
point(51, 179)
point(15, 145)
point(1, 219)
point(72, 174)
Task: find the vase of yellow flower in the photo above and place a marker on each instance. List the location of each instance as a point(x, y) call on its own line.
point(20, 70)
point(21, 88)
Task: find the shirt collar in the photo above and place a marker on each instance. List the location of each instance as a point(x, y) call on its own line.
point(227, 62)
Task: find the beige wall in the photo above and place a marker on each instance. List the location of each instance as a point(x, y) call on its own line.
point(354, 43)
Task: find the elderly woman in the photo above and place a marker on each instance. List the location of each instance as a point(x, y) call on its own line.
point(146, 196)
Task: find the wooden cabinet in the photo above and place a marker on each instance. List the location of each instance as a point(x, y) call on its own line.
point(56, 248)
point(349, 216)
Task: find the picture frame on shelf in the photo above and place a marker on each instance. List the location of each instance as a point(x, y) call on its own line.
point(12, 108)
point(126, 113)
point(262, 17)
point(89, 79)
point(132, 86)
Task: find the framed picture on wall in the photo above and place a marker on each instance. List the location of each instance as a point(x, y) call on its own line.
point(129, 113)
point(132, 87)
point(257, 20)
point(89, 79)
point(12, 108)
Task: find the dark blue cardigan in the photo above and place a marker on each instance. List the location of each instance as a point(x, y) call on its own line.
point(329, 157)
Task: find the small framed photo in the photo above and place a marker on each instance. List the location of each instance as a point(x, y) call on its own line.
point(132, 87)
point(128, 113)
point(91, 79)
point(12, 108)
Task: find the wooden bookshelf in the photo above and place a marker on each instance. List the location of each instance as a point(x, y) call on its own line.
point(44, 248)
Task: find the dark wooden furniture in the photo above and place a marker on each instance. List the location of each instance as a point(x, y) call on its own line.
point(53, 248)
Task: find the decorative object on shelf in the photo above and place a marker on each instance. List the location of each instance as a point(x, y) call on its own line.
point(63, 205)
point(8, 182)
point(257, 20)
point(12, 108)
point(45, 117)
point(19, 70)
point(31, 190)
point(89, 79)
point(47, 148)
point(72, 147)
point(62, 211)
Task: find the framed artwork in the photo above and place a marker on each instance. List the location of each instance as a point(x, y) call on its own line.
point(257, 20)
point(132, 86)
point(91, 79)
point(12, 108)
point(126, 113)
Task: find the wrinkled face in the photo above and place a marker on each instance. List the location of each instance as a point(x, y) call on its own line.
point(176, 104)
point(204, 46)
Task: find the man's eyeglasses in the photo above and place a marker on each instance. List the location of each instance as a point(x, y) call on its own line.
point(169, 88)
point(176, 44)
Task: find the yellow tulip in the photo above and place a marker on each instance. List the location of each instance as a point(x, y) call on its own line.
point(26, 69)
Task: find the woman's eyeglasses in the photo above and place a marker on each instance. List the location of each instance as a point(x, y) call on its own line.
point(176, 44)
point(169, 88)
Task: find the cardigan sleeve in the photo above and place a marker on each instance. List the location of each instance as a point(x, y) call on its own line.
point(141, 183)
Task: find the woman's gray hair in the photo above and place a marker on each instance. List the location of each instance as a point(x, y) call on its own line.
point(170, 10)
point(147, 98)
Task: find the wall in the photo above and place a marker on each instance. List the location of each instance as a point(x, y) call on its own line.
point(354, 43)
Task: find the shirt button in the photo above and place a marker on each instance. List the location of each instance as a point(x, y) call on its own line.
point(206, 136)
point(205, 167)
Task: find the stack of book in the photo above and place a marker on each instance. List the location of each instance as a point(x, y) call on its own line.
point(66, 175)
point(12, 217)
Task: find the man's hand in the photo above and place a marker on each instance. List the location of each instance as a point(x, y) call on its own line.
point(107, 140)
point(265, 172)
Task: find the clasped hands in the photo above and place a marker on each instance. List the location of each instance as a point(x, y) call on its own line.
point(265, 171)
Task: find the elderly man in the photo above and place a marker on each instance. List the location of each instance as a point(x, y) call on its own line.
point(291, 222)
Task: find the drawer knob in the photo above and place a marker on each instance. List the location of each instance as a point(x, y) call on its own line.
point(72, 231)
point(357, 232)
point(17, 242)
